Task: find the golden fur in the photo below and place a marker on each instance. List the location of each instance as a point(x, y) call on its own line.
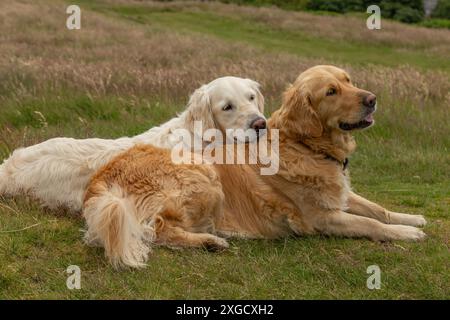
point(142, 196)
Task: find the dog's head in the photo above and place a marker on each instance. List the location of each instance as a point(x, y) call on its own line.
point(323, 98)
point(228, 103)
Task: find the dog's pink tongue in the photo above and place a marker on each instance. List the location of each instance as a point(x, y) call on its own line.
point(369, 118)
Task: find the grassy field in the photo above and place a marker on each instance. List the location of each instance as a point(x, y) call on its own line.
point(133, 64)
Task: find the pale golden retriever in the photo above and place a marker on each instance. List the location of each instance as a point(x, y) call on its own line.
point(57, 171)
point(141, 197)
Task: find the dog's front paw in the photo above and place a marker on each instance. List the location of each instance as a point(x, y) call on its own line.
point(216, 244)
point(406, 233)
point(407, 219)
point(418, 220)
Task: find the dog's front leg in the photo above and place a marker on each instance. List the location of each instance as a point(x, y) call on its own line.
point(362, 207)
point(340, 223)
point(298, 225)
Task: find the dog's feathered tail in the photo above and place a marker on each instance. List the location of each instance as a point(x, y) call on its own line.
point(113, 223)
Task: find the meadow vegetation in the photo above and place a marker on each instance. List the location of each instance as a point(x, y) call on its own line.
point(133, 65)
point(408, 11)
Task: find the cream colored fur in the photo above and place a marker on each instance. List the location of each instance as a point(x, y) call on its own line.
point(56, 171)
point(193, 205)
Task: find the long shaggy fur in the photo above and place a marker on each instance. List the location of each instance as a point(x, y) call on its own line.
point(141, 199)
point(125, 239)
point(309, 195)
point(57, 171)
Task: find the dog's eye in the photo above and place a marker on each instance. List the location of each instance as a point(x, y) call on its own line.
point(252, 97)
point(228, 107)
point(331, 92)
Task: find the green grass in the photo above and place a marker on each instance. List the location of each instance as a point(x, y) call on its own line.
point(436, 23)
point(302, 5)
point(402, 163)
point(34, 262)
point(78, 116)
point(295, 42)
point(288, 5)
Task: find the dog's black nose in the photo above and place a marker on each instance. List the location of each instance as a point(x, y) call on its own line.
point(258, 124)
point(370, 101)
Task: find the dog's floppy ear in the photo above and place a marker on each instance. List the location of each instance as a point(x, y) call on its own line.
point(259, 97)
point(199, 109)
point(299, 117)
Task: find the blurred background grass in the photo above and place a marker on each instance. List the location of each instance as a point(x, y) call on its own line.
point(132, 66)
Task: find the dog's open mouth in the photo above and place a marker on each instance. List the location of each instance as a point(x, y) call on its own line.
point(364, 123)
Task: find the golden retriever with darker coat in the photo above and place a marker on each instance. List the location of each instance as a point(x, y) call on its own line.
point(142, 198)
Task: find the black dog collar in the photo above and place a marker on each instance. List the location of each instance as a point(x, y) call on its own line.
point(344, 163)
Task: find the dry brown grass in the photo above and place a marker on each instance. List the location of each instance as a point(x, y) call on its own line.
point(108, 56)
point(111, 57)
point(120, 69)
point(346, 28)
point(339, 27)
point(41, 59)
